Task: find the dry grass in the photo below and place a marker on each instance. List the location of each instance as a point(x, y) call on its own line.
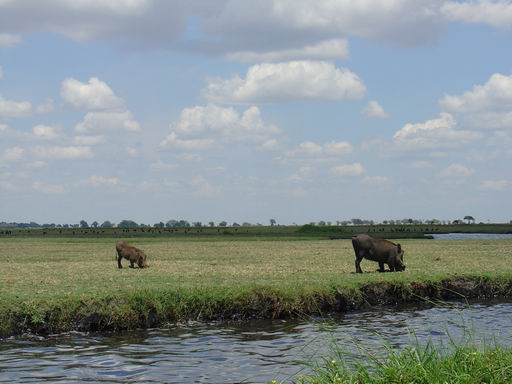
point(59, 267)
point(55, 285)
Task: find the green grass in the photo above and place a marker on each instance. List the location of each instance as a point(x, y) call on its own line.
point(58, 284)
point(419, 365)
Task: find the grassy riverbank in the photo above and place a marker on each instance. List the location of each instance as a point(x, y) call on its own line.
point(58, 284)
point(420, 365)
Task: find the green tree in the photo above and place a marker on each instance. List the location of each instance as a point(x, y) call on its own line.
point(183, 224)
point(127, 224)
point(83, 224)
point(469, 219)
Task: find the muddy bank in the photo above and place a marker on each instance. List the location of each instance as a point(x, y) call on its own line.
point(156, 309)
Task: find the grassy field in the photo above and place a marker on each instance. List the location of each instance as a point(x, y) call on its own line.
point(53, 284)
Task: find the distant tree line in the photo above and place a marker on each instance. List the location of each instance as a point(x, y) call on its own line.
point(406, 221)
point(127, 224)
point(198, 224)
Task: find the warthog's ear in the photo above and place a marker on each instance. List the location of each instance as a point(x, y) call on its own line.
point(399, 248)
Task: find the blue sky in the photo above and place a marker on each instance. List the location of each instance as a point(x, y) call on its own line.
point(244, 111)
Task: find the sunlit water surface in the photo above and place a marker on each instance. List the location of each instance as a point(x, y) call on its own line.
point(250, 352)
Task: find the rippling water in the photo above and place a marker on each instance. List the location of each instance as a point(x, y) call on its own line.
point(252, 352)
point(472, 236)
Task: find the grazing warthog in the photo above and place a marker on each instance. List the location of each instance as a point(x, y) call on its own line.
point(379, 250)
point(133, 254)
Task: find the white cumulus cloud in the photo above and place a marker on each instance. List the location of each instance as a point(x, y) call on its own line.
point(374, 109)
point(302, 174)
point(484, 106)
point(269, 145)
point(38, 164)
point(8, 40)
point(107, 111)
point(312, 149)
point(172, 141)
point(88, 140)
point(13, 154)
point(132, 151)
point(107, 121)
point(158, 22)
point(456, 171)
point(275, 22)
point(227, 26)
point(63, 152)
point(203, 188)
point(435, 133)
point(355, 169)
point(9, 108)
point(45, 132)
point(496, 13)
point(201, 126)
point(376, 181)
point(46, 107)
point(421, 164)
point(496, 185)
point(47, 188)
point(95, 94)
point(102, 181)
point(496, 93)
point(163, 166)
point(295, 80)
point(332, 49)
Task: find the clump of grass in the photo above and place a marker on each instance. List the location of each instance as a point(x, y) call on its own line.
point(419, 365)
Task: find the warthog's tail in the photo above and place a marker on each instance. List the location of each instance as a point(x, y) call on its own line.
point(354, 243)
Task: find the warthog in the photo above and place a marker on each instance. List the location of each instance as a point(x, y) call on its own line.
point(133, 254)
point(379, 250)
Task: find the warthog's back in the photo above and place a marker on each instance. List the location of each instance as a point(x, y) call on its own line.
point(373, 248)
point(379, 250)
point(134, 254)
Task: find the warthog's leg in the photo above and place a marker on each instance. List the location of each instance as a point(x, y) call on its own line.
point(119, 265)
point(391, 263)
point(359, 258)
point(381, 267)
point(131, 264)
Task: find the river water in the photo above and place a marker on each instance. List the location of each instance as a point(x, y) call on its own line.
point(249, 352)
point(471, 236)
